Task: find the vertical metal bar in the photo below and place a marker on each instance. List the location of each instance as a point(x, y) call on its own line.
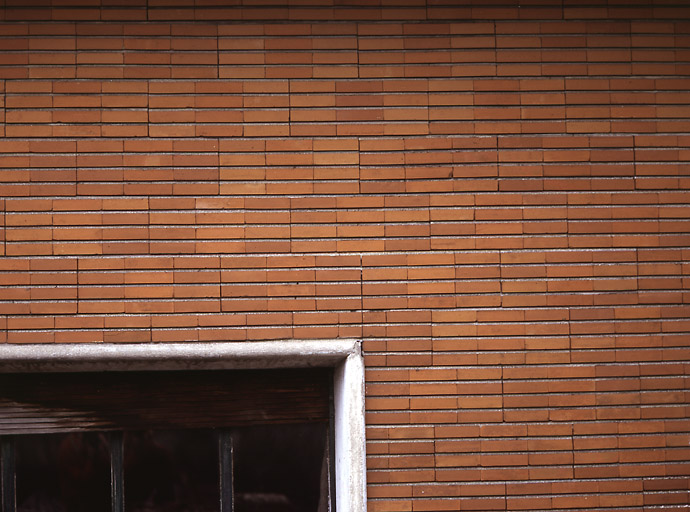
point(327, 487)
point(330, 442)
point(117, 473)
point(7, 474)
point(226, 470)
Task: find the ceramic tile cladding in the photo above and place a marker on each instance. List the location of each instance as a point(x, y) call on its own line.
point(493, 195)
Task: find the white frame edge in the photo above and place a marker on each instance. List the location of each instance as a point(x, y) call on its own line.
point(343, 355)
point(350, 435)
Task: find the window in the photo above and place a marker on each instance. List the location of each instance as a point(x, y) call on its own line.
point(243, 440)
point(234, 439)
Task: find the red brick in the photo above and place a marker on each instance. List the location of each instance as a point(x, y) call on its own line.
point(533, 288)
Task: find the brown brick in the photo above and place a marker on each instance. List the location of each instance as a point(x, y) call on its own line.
point(520, 235)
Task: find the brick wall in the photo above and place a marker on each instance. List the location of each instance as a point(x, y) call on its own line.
point(494, 196)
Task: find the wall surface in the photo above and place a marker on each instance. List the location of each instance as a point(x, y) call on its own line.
point(495, 196)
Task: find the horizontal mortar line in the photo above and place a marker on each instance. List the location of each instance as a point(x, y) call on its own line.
point(461, 368)
point(160, 329)
point(497, 483)
point(123, 298)
point(518, 497)
point(380, 195)
point(476, 424)
point(159, 316)
point(374, 254)
point(555, 366)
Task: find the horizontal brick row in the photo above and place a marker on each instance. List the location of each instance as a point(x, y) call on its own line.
point(355, 50)
point(286, 108)
point(332, 10)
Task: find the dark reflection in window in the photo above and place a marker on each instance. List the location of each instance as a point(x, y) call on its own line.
point(62, 472)
point(171, 471)
point(281, 468)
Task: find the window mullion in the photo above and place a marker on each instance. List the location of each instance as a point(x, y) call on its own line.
point(117, 476)
point(7, 474)
point(226, 470)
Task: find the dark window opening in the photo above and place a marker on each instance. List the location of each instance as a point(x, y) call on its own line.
point(216, 441)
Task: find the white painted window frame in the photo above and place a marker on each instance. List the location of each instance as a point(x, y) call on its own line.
point(343, 355)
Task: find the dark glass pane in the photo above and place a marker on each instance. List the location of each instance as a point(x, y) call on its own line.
point(171, 471)
point(281, 468)
point(63, 472)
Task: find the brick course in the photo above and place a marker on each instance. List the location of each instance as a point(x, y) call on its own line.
point(493, 195)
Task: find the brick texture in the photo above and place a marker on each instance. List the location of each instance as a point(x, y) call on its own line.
point(494, 195)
